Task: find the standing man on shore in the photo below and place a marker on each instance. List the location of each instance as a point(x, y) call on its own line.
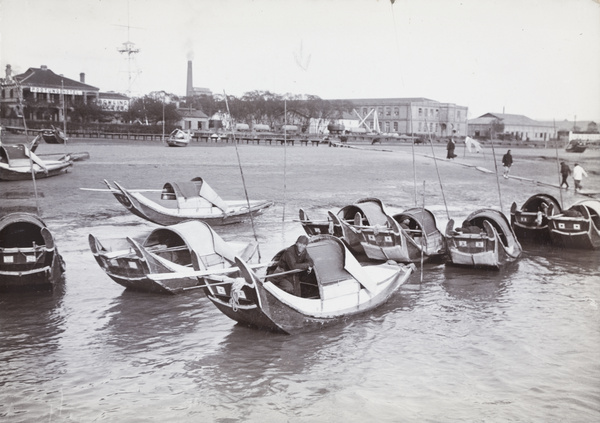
point(565, 171)
point(507, 162)
point(578, 174)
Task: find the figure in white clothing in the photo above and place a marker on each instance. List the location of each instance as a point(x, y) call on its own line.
point(578, 174)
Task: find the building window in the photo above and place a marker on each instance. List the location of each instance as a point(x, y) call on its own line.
point(387, 127)
point(396, 111)
point(387, 111)
point(395, 126)
point(380, 111)
point(437, 112)
point(364, 111)
point(420, 114)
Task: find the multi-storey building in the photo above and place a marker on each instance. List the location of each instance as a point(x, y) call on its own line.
point(41, 94)
point(410, 116)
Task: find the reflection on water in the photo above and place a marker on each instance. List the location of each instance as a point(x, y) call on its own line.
point(507, 343)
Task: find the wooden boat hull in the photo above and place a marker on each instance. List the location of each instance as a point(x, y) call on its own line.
point(171, 252)
point(581, 231)
point(176, 143)
point(523, 221)
point(54, 136)
point(29, 258)
point(261, 304)
point(24, 174)
point(156, 213)
point(492, 248)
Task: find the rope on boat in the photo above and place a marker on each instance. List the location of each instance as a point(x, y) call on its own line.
point(234, 295)
point(243, 179)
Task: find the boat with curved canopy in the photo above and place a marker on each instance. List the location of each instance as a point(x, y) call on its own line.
point(194, 200)
point(18, 162)
point(484, 240)
point(179, 138)
point(578, 226)
point(54, 135)
point(169, 259)
point(525, 222)
point(337, 288)
point(29, 258)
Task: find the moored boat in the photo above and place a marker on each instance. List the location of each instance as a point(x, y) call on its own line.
point(194, 200)
point(29, 258)
point(169, 258)
point(578, 226)
point(54, 136)
point(484, 240)
point(337, 288)
point(179, 138)
point(18, 162)
point(576, 146)
point(530, 222)
point(407, 237)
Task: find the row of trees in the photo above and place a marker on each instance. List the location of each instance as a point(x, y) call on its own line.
point(253, 107)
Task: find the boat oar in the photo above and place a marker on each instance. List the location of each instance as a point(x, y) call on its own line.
point(200, 273)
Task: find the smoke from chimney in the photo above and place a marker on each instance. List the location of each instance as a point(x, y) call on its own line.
point(189, 93)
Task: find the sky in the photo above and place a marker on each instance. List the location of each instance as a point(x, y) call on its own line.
point(539, 58)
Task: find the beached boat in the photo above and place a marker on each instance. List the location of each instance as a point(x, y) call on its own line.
point(17, 161)
point(163, 262)
point(194, 200)
point(54, 136)
point(337, 288)
point(485, 240)
point(526, 224)
point(576, 146)
point(179, 138)
point(578, 226)
point(29, 258)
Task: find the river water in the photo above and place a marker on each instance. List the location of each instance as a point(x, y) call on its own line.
point(521, 345)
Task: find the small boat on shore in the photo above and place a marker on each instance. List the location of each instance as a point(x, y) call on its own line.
point(528, 225)
point(484, 240)
point(54, 135)
point(576, 146)
point(578, 226)
point(337, 288)
point(18, 162)
point(29, 258)
point(193, 200)
point(179, 138)
point(168, 259)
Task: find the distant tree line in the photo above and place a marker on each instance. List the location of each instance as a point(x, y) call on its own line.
point(254, 107)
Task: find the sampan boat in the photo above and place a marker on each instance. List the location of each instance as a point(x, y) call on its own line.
point(29, 258)
point(490, 242)
point(18, 162)
point(420, 239)
point(54, 135)
point(179, 138)
point(578, 226)
point(576, 146)
point(194, 200)
point(525, 223)
point(345, 223)
point(337, 288)
point(169, 258)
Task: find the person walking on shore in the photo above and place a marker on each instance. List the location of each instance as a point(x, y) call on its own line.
point(578, 174)
point(565, 171)
point(450, 147)
point(507, 162)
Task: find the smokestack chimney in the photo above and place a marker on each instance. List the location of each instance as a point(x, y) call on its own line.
point(189, 93)
point(82, 77)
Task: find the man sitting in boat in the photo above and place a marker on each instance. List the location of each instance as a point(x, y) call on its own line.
point(467, 228)
point(295, 257)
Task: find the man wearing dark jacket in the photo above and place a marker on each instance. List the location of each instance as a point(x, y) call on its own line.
point(565, 171)
point(295, 257)
point(507, 161)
